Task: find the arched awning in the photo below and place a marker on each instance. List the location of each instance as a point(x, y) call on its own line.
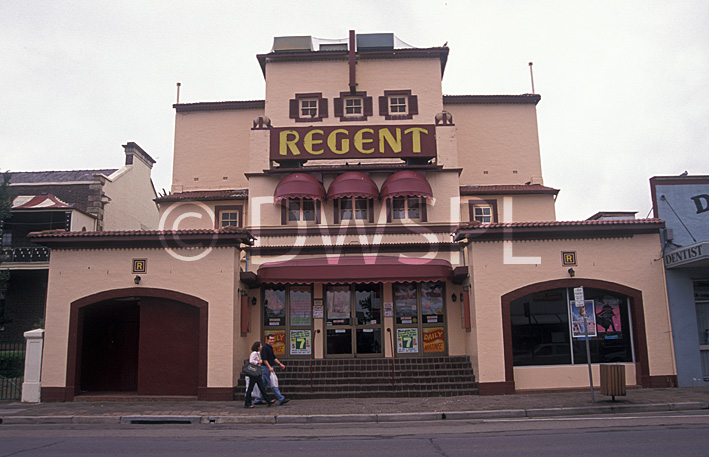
point(406, 183)
point(299, 185)
point(357, 269)
point(352, 184)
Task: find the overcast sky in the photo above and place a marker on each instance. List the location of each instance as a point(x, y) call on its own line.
point(624, 84)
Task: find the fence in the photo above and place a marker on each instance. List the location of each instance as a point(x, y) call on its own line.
point(12, 369)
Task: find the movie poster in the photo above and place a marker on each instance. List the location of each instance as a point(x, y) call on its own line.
point(434, 339)
point(577, 325)
point(608, 314)
point(300, 342)
point(407, 340)
point(279, 346)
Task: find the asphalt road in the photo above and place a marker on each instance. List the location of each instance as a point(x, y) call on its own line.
point(666, 434)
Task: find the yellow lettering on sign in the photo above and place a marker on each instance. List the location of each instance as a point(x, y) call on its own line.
point(359, 141)
point(394, 143)
point(332, 142)
point(308, 142)
point(416, 137)
point(569, 258)
point(289, 144)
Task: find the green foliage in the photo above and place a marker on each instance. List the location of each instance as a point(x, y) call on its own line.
point(12, 364)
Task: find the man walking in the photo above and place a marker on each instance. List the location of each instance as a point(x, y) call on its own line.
point(269, 361)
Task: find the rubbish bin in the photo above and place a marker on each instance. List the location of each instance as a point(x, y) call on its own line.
point(613, 380)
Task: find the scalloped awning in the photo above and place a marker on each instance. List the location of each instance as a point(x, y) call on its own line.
point(355, 269)
point(406, 183)
point(352, 184)
point(299, 185)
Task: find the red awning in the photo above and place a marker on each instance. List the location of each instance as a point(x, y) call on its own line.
point(356, 269)
point(352, 184)
point(40, 202)
point(406, 183)
point(299, 185)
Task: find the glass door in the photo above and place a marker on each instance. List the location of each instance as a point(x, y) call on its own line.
point(353, 320)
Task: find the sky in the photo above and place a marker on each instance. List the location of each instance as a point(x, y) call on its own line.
point(624, 84)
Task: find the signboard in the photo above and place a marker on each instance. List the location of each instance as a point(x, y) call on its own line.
point(300, 342)
point(434, 339)
point(407, 340)
point(318, 311)
point(388, 309)
point(578, 294)
point(578, 309)
point(279, 346)
point(353, 142)
point(687, 255)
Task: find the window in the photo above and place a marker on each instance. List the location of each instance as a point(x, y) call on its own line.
point(310, 107)
point(403, 208)
point(484, 211)
point(545, 328)
point(483, 214)
point(353, 208)
point(287, 314)
point(353, 106)
point(301, 209)
point(398, 105)
point(420, 315)
point(228, 216)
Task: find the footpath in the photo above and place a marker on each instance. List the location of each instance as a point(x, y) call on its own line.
point(353, 410)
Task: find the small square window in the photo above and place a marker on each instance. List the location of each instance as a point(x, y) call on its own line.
point(406, 208)
point(308, 107)
point(229, 219)
point(482, 214)
point(353, 107)
point(397, 104)
point(301, 209)
point(354, 208)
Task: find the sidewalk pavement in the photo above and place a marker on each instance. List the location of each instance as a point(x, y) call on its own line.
point(521, 405)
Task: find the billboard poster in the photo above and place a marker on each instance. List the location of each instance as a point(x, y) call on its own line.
point(577, 312)
point(608, 315)
point(434, 339)
point(300, 342)
point(279, 346)
point(300, 305)
point(407, 340)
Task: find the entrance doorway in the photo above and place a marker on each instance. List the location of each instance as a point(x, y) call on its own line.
point(353, 320)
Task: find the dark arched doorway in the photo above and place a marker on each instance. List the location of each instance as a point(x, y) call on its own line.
point(137, 340)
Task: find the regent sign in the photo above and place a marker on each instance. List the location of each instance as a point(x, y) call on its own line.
point(337, 142)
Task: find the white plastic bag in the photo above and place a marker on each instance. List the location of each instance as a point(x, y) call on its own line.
point(274, 379)
point(256, 393)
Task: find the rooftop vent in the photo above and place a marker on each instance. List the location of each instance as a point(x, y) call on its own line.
point(292, 44)
point(375, 41)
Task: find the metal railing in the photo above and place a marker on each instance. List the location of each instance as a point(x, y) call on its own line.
point(24, 254)
point(12, 369)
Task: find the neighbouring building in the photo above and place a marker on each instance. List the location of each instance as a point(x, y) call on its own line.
point(355, 213)
point(683, 202)
point(72, 201)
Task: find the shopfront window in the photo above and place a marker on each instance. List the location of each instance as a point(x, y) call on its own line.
point(288, 316)
point(354, 320)
point(420, 315)
point(547, 328)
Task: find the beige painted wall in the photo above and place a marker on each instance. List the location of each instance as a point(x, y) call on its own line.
point(212, 149)
point(497, 144)
point(131, 193)
point(634, 262)
point(214, 278)
point(285, 79)
point(191, 215)
point(81, 221)
point(515, 208)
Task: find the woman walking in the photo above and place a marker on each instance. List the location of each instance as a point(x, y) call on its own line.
point(255, 358)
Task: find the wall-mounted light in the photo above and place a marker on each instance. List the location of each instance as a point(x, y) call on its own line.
point(453, 298)
point(461, 297)
point(253, 301)
point(572, 272)
point(136, 280)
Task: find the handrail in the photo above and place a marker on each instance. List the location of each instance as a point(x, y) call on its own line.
point(393, 370)
point(312, 354)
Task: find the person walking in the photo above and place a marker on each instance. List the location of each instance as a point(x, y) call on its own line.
point(269, 361)
point(255, 358)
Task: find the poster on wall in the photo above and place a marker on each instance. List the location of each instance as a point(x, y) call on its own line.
point(274, 306)
point(338, 303)
point(300, 342)
point(432, 298)
point(300, 305)
point(577, 328)
point(406, 301)
point(608, 316)
point(434, 339)
point(279, 346)
point(407, 340)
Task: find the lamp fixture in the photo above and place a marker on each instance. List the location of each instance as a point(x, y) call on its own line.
point(136, 280)
point(572, 272)
point(453, 298)
point(253, 301)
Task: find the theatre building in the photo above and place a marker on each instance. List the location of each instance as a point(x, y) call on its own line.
point(362, 217)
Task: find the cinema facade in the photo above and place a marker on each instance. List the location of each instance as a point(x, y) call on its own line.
point(356, 212)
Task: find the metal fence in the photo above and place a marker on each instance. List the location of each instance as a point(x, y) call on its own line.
point(12, 369)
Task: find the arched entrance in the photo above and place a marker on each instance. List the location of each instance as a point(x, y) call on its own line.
point(634, 297)
point(138, 340)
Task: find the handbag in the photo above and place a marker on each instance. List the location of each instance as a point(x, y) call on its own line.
point(251, 369)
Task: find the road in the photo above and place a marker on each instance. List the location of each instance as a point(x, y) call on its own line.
point(668, 434)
